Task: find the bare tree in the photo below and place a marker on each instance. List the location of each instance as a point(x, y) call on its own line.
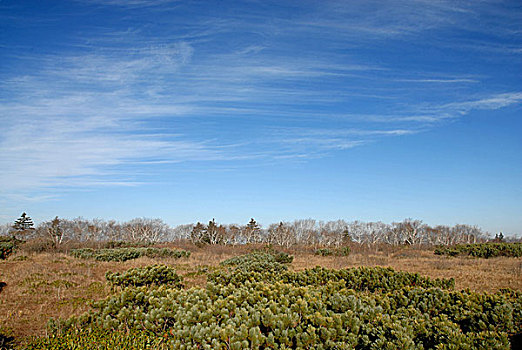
point(305, 231)
point(5, 229)
point(252, 232)
point(181, 232)
point(356, 231)
point(146, 230)
point(281, 234)
point(333, 233)
point(467, 234)
point(375, 232)
point(411, 231)
point(55, 231)
point(233, 235)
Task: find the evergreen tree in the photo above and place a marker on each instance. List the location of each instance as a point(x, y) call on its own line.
point(23, 223)
point(56, 232)
point(252, 232)
point(197, 233)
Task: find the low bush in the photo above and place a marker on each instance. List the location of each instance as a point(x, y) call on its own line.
point(97, 339)
point(482, 250)
point(259, 262)
point(125, 244)
point(7, 246)
point(124, 254)
point(6, 249)
point(6, 341)
point(362, 279)
point(283, 316)
point(259, 256)
point(146, 276)
point(324, 252)
point(342, 251)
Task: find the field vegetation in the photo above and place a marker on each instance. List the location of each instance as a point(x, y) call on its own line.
point(484, 250)
point(208, 293)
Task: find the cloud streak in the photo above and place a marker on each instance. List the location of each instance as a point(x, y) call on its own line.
point(112, 103)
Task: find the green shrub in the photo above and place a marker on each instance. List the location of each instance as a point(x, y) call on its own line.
point(361, 279)
point(280, 315)
point(282, 257)
point(8, 245)
point(253, 305)
point(6, 341)
point(146, 276)
point(258, 256)
point(124, 254)
point(482, 250)
point(125, 244)
point(6, 249)
point(323, 252)
point(98, 339)
point(342, 251)
point(259, 261)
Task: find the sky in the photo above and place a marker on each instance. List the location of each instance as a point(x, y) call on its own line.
point(278, 110)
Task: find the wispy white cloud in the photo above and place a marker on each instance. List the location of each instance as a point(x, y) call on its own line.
point(439, 81)
point(69, 152)
point(118, 99)
point(129, 3)
point(489, 103)
point(428, 114)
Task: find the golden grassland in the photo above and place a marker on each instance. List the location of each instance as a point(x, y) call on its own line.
point(44, 285)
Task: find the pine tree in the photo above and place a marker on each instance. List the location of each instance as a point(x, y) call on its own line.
point(22, 226)
point(196, 235)
point(23, 223)
point(252, 232)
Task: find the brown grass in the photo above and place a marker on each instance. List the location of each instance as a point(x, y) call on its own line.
point(44, 285)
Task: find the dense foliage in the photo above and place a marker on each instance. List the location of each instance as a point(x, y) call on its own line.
point(7, 246)
point(99, 339)
point(124, 254)
point(343, 251)
point(360, 279)
point(282, 316)
point(146, 276)
point(6, 249)
point(482, 250)
point(258, 261)
point(267, 255)
point(245, 307)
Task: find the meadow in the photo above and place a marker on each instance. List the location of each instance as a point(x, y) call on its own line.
point(59, 285)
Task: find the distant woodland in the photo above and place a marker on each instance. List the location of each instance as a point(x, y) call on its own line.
point(308, 232)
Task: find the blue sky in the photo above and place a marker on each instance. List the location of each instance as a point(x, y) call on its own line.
point(278, 110)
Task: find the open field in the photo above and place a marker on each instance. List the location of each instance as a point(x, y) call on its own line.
point(45, 285)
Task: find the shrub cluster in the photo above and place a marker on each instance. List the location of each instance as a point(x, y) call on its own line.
point(482, 250)
point(96, 339)
point(342, 251)
point(124, 254)
point(125, 244)
point(259, 262)
point(361, 279)
point(146, 276)
point(284, 316)
point(260, 255)
point(6, 249)
point(256, 303)
point(7, 246)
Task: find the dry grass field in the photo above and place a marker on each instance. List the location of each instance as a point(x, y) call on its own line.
point(45, 285)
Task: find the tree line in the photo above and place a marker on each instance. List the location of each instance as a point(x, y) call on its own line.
point(286, 234)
